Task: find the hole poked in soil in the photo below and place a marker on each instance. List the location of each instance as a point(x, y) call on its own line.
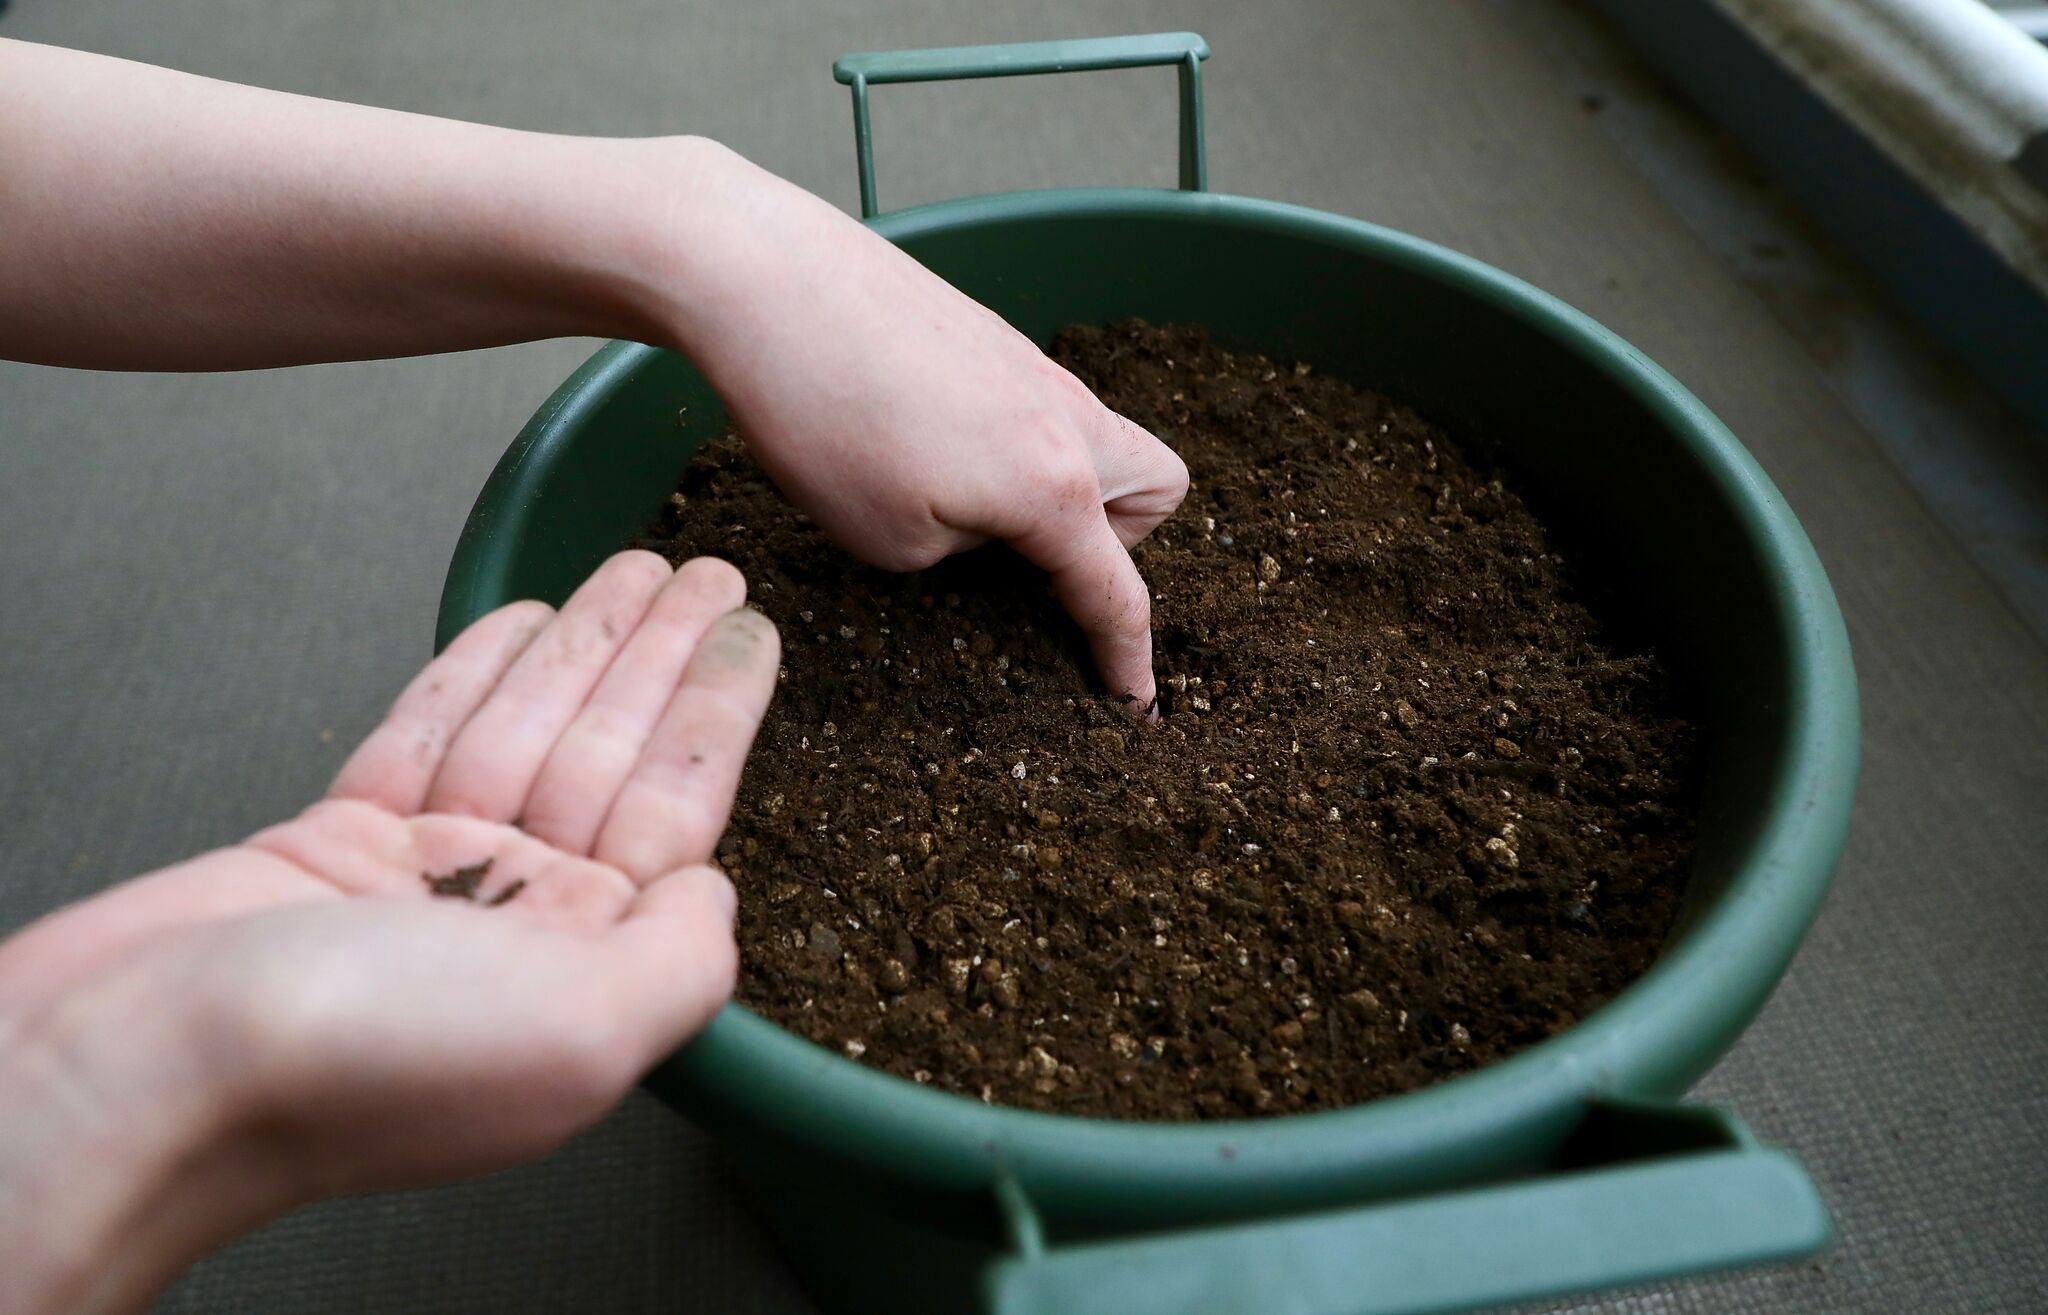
point(1406, 813)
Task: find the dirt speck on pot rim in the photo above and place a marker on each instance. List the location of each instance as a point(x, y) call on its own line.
point(1408, 810)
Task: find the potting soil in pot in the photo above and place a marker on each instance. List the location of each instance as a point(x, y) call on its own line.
point(1410, 807)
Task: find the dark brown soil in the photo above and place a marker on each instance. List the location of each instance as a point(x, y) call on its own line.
point(1408, 810)
point(466, 882)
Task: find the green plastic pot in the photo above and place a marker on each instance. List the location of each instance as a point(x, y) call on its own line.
point(1566, 1167)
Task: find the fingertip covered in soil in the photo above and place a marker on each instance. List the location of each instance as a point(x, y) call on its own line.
point(1406, 811)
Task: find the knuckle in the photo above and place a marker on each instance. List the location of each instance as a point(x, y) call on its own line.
point(1134, 608)
point(602, 729)
point(726, 720)
point(1176, 473)
point(1071, 480)
point(1068, 385)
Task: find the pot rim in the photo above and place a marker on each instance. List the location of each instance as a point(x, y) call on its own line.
point(1694, 1000)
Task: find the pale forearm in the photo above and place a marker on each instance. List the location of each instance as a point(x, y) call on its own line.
point(116, 1164)
point(155, 220)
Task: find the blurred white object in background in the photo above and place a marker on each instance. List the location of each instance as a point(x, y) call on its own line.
point(2028, 17)
point(1954, 93)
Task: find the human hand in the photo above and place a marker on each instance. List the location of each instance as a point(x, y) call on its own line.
point(300, 1016)
point(911, 422)
point(268, 229)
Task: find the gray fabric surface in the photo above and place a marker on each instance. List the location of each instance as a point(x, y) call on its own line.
point(220, 581)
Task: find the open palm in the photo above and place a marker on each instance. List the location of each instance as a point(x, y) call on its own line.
point(496, 920)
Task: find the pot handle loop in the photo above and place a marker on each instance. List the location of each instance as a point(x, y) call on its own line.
point(1656, 1191)
point(1185, 49)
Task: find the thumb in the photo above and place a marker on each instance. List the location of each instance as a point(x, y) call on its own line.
point(671, 962)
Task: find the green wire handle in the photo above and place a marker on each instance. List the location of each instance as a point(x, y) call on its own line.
point(1185, 49)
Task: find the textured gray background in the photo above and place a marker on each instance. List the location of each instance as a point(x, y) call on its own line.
point(219, 581)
